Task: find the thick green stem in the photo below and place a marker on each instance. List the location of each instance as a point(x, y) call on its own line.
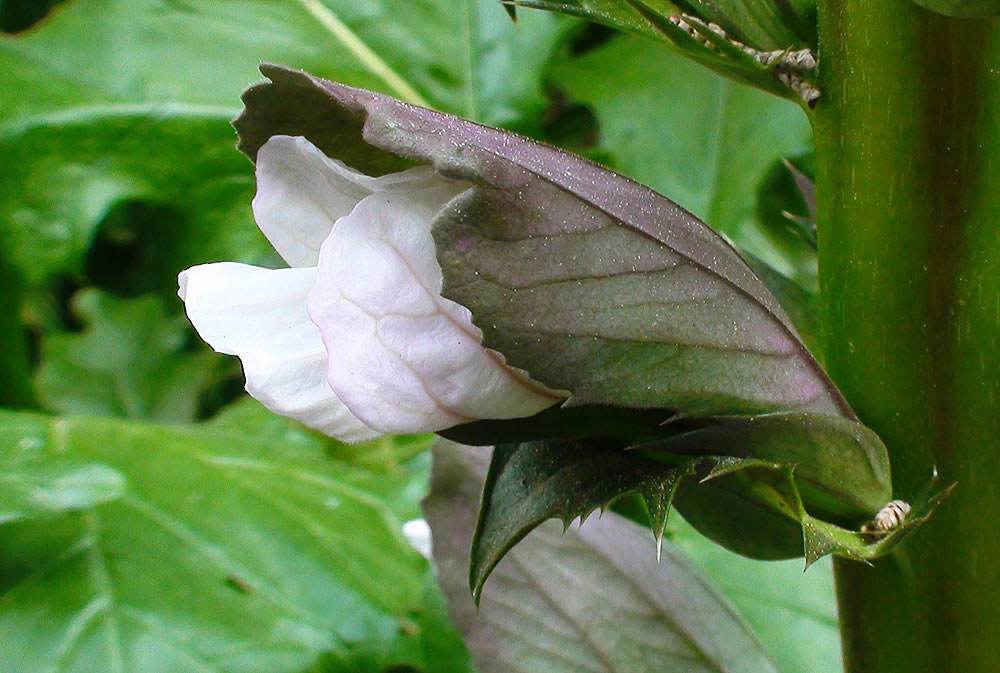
point(908, 183)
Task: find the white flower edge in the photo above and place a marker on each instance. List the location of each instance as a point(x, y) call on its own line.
point(260, 316)
point(398, 357)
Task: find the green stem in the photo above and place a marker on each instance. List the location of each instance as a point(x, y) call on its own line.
point(908, 178)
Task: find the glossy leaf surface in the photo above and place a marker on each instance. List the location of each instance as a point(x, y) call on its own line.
point(220, 552)
point(32, 487)
point(87, 125)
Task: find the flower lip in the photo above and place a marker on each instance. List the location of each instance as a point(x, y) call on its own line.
point(259, 315)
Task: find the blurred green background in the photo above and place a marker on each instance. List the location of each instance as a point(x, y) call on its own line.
point(152, 517)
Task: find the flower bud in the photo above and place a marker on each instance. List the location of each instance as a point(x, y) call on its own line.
point(467, 242)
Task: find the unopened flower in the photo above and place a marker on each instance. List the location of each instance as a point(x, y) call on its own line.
point(354, 339)
point(659, 331)
point(594, 284)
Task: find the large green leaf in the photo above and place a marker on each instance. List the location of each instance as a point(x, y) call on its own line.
point(704, 141)
point(452, 54)
point(65, 170)
point(592, 599)
point(223, 553)
point(110, 100)
point(129, 361)
point(34, 485)
point(395, 468)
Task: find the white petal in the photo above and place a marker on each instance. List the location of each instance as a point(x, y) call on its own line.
point(301, 192)
point(402, 358)
point(260, 316)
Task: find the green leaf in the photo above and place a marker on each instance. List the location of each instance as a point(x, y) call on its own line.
point(841, 467)
point(66, 170)
point(963, 9)
point(17, 390)
point(129, 361)
point(35, 484)
point(43, 489)
point(221, 553)
point(705, 142)
point(763, 487)
point(531, 482)
point(738, 495)
point(395, 468)
point(762, 60)
point(618, 14)
point(763, 24)
point(568, 602)
point(786, 200)
point(86, 126)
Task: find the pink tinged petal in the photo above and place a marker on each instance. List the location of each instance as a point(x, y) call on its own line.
point(260, 316)
point(301, 192)
point(403, 358)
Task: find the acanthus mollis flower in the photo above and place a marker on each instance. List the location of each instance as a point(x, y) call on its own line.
point(354, 339)
point(604, 311)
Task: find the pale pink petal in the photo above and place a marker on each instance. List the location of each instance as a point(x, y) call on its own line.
point(402, 358)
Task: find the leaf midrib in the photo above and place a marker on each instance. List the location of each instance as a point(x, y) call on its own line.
point(364, 54)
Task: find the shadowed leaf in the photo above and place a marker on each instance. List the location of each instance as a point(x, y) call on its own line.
point(592, 599)
point(85, 126)
point(685, 26)
point(755, 485)
point(534, 481)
